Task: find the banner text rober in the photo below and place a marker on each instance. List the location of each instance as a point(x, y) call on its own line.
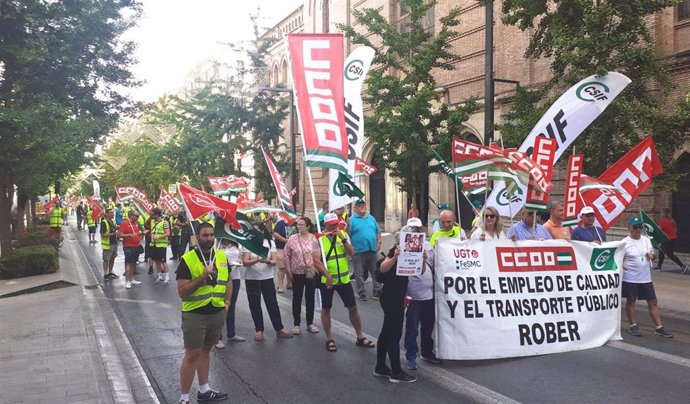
point(527, 298)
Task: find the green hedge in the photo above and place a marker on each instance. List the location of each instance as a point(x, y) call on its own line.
point(28, 261)
point(36, 237)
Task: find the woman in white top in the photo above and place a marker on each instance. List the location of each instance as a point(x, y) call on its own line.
point(232, 251)
point(258, 279)
point(302, 272)
point(490, 227)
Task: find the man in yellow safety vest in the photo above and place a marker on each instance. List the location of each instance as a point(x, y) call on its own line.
point(205, 287)
point(336, 278)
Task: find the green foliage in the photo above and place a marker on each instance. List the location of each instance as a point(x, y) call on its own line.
point(409, 117)
point(28, 261)
point(584, 38)
point(35, 237)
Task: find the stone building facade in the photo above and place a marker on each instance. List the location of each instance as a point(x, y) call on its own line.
point(671, 29)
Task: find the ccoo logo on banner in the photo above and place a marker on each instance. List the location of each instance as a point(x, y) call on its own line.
point(504, 299)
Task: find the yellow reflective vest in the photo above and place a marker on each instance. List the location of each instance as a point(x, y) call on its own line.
point(206, 294)
point(105, 240)
point(336, 261)
point(158, 229)
point(56, 217)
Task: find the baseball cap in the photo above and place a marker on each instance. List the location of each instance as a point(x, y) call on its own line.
point(330, 218)
point(586, 210)
point(360, 202)
point(444, 206)
point(635, 220)
point(414, 221)
point(477, 203)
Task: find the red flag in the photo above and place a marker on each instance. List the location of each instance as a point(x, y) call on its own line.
point(362, 167)
point(127, 193)
point(317, 72)
point(279, 183)
point(573, 204)
point(199, 203)
point(543, 155)
point(632, 174)
point(168, 202)
point(49, 205)
point(96, 210)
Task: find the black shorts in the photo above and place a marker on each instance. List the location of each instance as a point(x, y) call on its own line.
point(638, 291)
point(346, 294)
point(92, 230)
point(158, 254)
point(131, 254)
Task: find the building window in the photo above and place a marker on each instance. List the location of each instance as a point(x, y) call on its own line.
point(683, 10)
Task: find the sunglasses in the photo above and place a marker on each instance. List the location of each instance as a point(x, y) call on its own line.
point(489, 216)
point(637, 227)
point(589, 214)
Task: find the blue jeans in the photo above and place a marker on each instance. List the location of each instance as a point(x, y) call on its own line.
point(419, 312)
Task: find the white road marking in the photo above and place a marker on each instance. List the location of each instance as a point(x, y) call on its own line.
point(677, 360)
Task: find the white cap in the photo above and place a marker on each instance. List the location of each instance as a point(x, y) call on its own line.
point(414, 221)
point(586, 210)
point(330, 218)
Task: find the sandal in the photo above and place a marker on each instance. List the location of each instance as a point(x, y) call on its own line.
point(365, 343)
point(330, 346)
point(259, 336)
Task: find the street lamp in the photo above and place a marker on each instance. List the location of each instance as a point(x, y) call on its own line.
point(293, 142)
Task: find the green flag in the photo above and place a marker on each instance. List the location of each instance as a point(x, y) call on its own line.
point(344, 186)
point(246, 236)
point(446, 169)
point(652, 230)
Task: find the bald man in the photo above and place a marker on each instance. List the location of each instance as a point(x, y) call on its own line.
point(448, 228)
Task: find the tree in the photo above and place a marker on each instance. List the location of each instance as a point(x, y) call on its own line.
point(408, 117)
point(63, 64)
point(582, 38)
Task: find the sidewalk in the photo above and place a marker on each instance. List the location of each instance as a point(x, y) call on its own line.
point(62, 345)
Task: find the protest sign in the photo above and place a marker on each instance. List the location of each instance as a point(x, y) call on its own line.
point(411, 258)
point(504, 299)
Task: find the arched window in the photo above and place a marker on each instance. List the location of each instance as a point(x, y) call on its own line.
point(284, 72)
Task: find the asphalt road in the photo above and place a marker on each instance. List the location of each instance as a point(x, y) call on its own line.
point(646, 369)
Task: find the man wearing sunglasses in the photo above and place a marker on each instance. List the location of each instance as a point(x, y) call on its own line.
point(587, 231)
point(637, 278)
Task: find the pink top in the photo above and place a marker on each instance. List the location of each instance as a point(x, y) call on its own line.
point(297, 253)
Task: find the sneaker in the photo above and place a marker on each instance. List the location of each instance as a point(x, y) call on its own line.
point(685, 269)
point(657, 268)
point(432, 359)
point(150, 270)
point(211, 395)
point(412, 364)
point(634, 330)
point(385, 372)
point(236, 338)
point(363, 298)
point(295, 330)
point(166, 281)
point(113, 276)
point(158, 280)
point(128, 285)
point(106, 277)
point(312, 328)
point(279, 290)
point(220, 344)
point(402, 377)
point(284, 333)
point(135, 282)
point(662, 331)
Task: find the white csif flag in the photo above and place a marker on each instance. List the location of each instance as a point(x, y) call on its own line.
point(567, 118)
point(356, 68)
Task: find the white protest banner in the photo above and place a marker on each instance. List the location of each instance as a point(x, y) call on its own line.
point(567, 118)
point(500, 299)
point(411, 258)
point(356, 68)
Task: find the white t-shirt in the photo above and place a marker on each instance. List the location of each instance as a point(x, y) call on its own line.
point(479, 231)
point(260, 271)
point(636, 267)
point(235, 256)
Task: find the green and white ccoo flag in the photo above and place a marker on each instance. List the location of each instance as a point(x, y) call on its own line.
point(246, 236)
point(652, 230)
